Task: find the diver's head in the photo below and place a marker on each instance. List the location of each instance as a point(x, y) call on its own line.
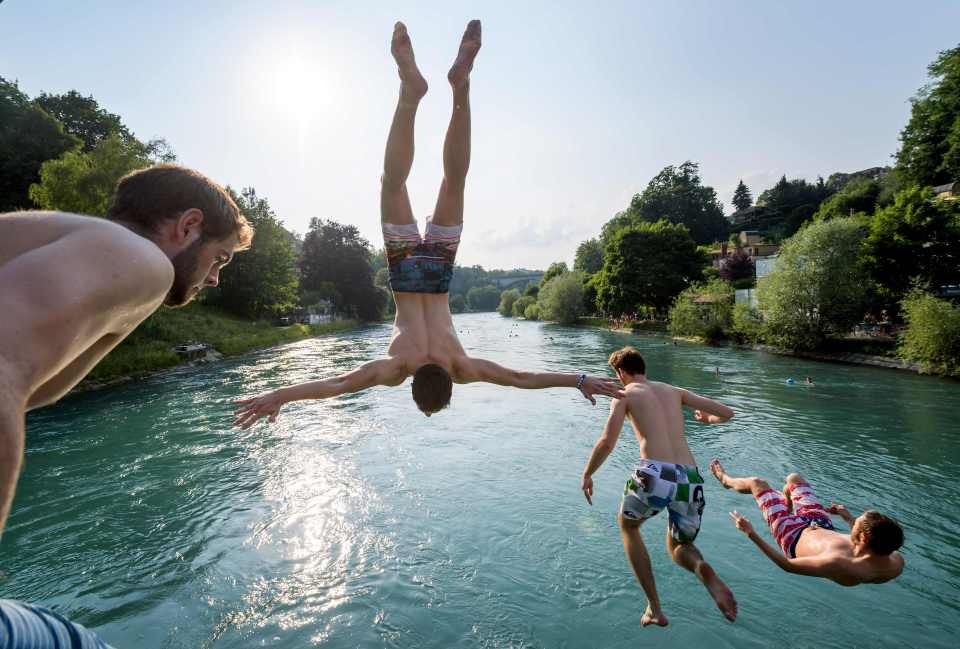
point(432, 387)
point(874, 533)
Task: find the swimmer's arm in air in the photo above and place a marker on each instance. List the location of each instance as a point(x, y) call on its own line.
point(59, 302)
point(604, 445)
point(705, 410)
point(477, 369)
point(385, 371)
point(821, 566)
point(840, 510)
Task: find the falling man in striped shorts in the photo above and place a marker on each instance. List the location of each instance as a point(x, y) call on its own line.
point(804, 531)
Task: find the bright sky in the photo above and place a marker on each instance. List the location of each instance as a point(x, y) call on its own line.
point(576, 105)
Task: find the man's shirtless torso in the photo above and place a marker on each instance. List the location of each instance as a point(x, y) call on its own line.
point(76, 286)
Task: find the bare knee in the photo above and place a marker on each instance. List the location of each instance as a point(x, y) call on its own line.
point(392, 185)
point(758, 486)
point(795, 478)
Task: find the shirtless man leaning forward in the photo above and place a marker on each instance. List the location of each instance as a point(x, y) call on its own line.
point(665, 478)
point(424, 342)
point(804, 531)
point(71, 288)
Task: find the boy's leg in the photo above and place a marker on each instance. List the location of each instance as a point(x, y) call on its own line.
point(686, 555)
point(750, 485)
point(456, 146)
point(639, 560)
point(398, 159)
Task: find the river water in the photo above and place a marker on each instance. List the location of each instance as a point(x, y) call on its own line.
point(357, 522)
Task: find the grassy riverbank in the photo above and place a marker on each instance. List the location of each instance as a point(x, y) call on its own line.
point(148, 348)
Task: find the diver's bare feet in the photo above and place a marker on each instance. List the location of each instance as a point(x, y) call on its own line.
point(717, 469)
point(459, 74)
point(718, 590)
point(649, 617)
point(412, 84)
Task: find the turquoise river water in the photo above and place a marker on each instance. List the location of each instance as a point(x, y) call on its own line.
point(357, 522)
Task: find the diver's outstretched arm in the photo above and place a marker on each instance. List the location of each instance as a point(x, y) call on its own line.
point(478, 369)
point(385, 371)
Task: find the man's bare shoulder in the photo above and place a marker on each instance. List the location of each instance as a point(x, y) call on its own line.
point(98, 250)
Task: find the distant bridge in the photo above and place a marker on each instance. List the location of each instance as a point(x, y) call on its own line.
point(514, 280)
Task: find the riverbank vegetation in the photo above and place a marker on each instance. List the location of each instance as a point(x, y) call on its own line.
point(874, 252)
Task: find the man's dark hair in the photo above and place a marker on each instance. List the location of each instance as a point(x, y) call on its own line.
point(629, 360)
point(883, 535)
point(150, 196)
point(432, 387)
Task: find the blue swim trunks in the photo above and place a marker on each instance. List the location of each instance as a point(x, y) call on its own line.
point(26, 626)
point(421, 265)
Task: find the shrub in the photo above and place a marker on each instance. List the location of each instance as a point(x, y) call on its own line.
point(932, 338)
point(520, 306)
point(507, 298)
point(703, 310)
point(561, 298)
point(532, 312)
point(747, 327)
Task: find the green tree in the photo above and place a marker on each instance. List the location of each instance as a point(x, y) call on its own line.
point(458, 304)
point(741, 197)
point(84, 182)
point(522, 304)
point(677, 195)
point(916, 238)
point(507, 298)
point(263, 281)
point(932, 338)
point(561, 299)
point(790, 203)
point(930, 142)
point(556, 268)
point(483, 298)
point(818, 286)
point(29, 136)
point(703, 310)
point(532, 290)
point(859, 196)
point(82, 116)
point(589, 257)
point(335, 255)
point(647, 265)
point(532, 312)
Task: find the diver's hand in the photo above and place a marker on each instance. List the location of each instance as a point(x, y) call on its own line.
point(251, 410)
point(587, 487)
point(743, 524)
point(601, 385)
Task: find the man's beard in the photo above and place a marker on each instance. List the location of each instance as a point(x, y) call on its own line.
point(184, 274)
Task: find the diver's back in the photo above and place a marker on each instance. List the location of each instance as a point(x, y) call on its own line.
point(655, 411)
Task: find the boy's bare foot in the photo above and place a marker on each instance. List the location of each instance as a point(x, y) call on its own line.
point(717, 469)
point(722, 595)
point(412, 84)
point(649, 617)
point(459, 74)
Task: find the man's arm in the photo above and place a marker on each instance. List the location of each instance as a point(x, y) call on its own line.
point(706, 410)
point(56, 301)
point(841, 511)
point(478, 369)
point(827, 567)
point(385, 371)
point(604, 445)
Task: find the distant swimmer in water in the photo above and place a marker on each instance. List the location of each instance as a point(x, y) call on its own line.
point(718, 371)
point(790, 381)
point(808, 380)
point(424, 343)
point(809, 543)
point(666, 477)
